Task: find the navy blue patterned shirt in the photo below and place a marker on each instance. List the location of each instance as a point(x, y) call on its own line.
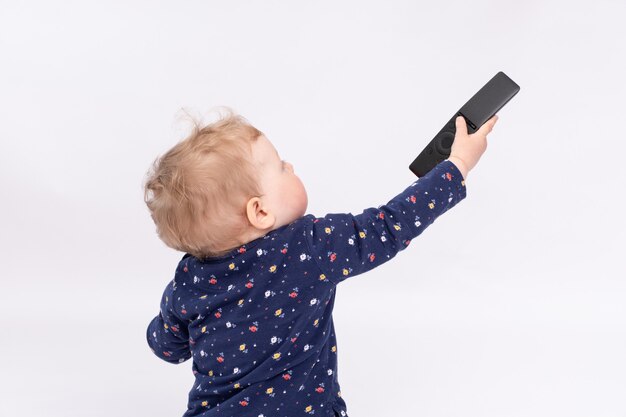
point(258, 321)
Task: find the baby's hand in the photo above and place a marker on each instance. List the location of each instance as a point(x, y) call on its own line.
point(467, 149)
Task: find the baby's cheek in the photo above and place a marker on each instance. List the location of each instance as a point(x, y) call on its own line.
point(304, 199)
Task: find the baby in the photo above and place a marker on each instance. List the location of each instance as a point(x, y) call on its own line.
point(252, 298)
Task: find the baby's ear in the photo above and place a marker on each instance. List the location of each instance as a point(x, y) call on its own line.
point(257, 216)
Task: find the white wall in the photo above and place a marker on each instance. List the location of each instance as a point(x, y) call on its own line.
point(511, 304)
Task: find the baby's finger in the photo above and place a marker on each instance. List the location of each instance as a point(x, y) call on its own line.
point(488, 126)
point(461, 126)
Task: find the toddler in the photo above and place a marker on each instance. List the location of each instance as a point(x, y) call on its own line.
point(251, 300)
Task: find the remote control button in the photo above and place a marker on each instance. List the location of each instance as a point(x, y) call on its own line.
point(444, 142)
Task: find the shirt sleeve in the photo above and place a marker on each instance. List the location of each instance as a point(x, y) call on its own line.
point(167, 333)
point(345, 245)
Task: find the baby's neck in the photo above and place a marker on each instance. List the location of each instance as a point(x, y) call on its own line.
point(252, 234)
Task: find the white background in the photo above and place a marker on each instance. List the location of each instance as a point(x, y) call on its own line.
point(511, 304)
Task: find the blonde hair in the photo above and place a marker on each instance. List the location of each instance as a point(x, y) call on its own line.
point(197, 191)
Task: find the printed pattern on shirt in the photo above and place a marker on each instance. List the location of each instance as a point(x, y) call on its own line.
point(258, 321)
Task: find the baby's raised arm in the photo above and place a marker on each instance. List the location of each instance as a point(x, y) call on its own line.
point(345, 245)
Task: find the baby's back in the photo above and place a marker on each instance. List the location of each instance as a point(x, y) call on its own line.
point(259, 327)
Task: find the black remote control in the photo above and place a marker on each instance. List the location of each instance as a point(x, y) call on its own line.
point(480, 108)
